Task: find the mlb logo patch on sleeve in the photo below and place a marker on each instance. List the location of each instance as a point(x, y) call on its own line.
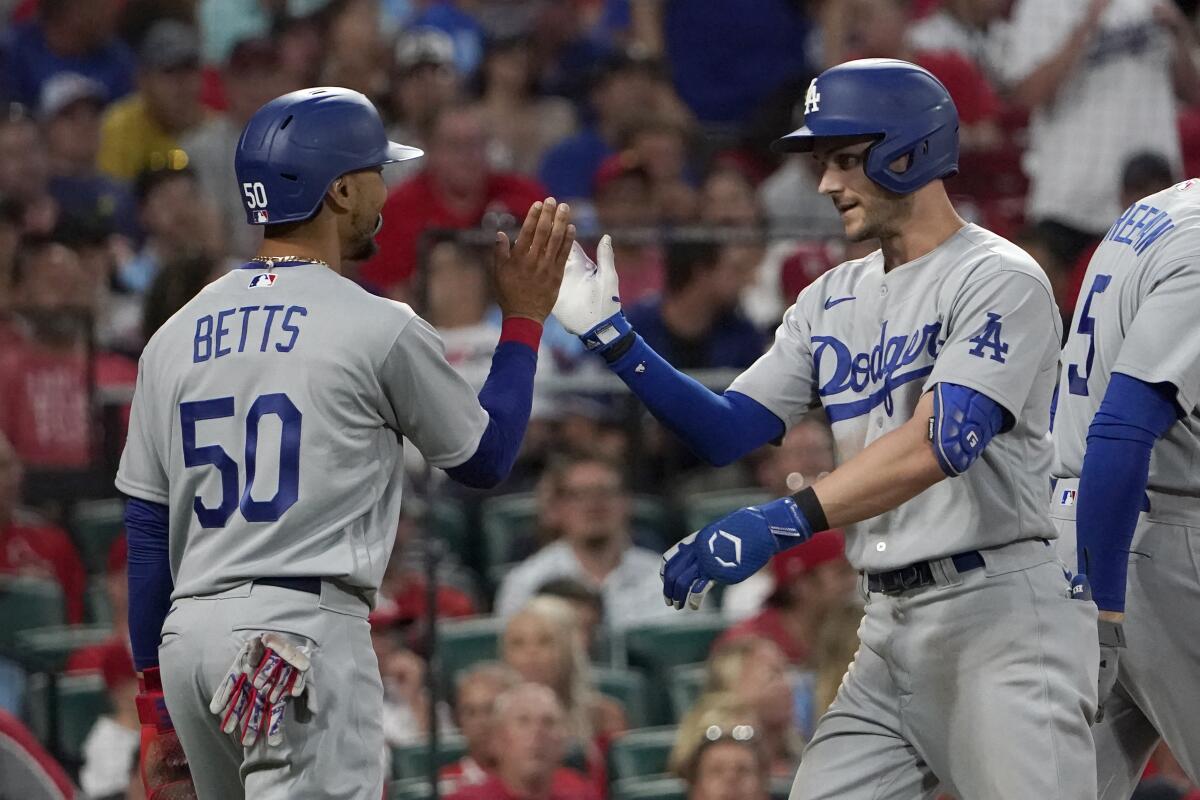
point(264, 281)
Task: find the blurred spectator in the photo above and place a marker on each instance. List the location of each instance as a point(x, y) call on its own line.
point(749, 673)
point(588, 606)
point(10, 238)
point(878, 29)
point(1100, 79)
point(66, 36)
point(623, 92)
point(251, 77)
point(728, 765)
point(116, 315)
point(837, 643)
point(113, 741)
point(179, 221)
point(596, 547)
point(25, 172)
point(810, 580)
point(91, 658)
point(530, 723)
point(790, 199)
point(33, 548)
point(660, 146)
point(454, 299)
point(405, 699)
point(30, 773)
point(69, 113)
point(424, 82)
point(458, 20)
point(725, 60)
point(173, 287)
point(142, 132)
point(522, 126)
point(540, 642)
point(476, 690)
point(45, 393)
point(624, 198)
point(455, 190)
point(804, 455)
point(965, 27)
point(355, 51)
point(695, 323)
point(566, 49)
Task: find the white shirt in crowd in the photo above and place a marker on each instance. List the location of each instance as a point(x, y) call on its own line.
point(108, 753)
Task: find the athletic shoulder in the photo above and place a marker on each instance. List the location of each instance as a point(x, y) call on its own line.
point(987, 255)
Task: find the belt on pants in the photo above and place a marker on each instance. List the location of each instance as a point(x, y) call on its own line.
point(916, 576)
point(310, 585)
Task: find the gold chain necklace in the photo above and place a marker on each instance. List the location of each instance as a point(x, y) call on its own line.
point(271, 261)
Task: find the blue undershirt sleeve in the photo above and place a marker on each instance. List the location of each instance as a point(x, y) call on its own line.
point(719, 428)
point(507, 396)
point(1112, 484)
point(150, 583)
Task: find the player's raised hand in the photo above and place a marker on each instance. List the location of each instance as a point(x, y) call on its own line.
point(589, 294)
point(529, 272)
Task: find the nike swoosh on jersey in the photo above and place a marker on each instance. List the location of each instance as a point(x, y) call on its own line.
point(830, 302)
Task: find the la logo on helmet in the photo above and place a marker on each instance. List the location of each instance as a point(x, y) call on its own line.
point(812, 100)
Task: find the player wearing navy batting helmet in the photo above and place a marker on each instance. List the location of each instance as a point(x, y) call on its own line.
point(934, 359)
point(264, 465)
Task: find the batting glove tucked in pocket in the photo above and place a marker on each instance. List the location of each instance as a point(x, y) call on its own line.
point(266, 673)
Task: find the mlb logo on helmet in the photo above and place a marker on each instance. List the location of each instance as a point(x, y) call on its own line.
point(263, 281)
point(260, 217)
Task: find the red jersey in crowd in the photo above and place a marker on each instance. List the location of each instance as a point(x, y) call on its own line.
point(415, 206)
point(38, 550)
point(44, 405)
point(567, 784)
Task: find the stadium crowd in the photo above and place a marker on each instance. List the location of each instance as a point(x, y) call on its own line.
point(118, 203)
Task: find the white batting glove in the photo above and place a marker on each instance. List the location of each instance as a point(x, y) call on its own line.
point(589, 298)
point(267, 672)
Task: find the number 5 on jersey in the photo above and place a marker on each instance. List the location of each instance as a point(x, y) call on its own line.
point(253, 510)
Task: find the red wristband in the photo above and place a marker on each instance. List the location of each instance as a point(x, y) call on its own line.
point(522, 330)
point(151, 705)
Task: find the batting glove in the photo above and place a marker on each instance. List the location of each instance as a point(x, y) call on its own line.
point(730, 550)
point(267, 672)
point(589, 302)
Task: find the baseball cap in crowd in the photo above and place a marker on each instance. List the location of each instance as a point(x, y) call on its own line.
point(424, 46)
point(616, 166)
point(170, 45)
point(802, 559)
point(65, 90)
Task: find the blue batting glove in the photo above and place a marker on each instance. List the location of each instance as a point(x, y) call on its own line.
point(730, 550)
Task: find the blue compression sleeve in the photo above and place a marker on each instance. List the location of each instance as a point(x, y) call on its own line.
point(150, 583)
point(719, 428)
point(1112, 486)
point(507, 396)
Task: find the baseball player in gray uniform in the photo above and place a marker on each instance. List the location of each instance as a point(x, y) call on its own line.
point(934, 359)
point(264, 466)
point(1127, 441)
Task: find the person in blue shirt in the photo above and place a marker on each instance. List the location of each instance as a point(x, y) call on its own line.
point(66, 36)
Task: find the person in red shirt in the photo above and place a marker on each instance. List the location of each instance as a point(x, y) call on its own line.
point(475, 697)
point(810, 580)
point(456, 190)
point(531, 725)
point(31, 547)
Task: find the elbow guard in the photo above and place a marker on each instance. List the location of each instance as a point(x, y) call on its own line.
point(963, 423)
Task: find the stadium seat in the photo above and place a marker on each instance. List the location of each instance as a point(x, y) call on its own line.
point(410, 763)
point(47, 649)
point(448, 521)
point(704, 507)
point(94, 526)
point(641, 753)
point(658, 647)
point(27, 603)
point(466, 641)
point(628, 686)
point(662, 787)
point(96, 607)
point(413, 789)
point(78, 701)
point(685, 683)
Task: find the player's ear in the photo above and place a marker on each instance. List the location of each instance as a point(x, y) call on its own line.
point(339, 195)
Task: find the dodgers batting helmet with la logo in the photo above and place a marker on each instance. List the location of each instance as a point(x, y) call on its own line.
point(295, 146)
point(904, 107)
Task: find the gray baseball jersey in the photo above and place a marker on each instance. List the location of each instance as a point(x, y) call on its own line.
point(866, 344)
point(1137, 314)
point(268, 416)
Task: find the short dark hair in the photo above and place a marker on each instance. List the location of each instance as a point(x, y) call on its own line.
point(686, 258)
point(1146, 173)
point(150, 179)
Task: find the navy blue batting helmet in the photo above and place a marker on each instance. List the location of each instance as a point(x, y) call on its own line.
point(295, 146)
point(905, 107)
